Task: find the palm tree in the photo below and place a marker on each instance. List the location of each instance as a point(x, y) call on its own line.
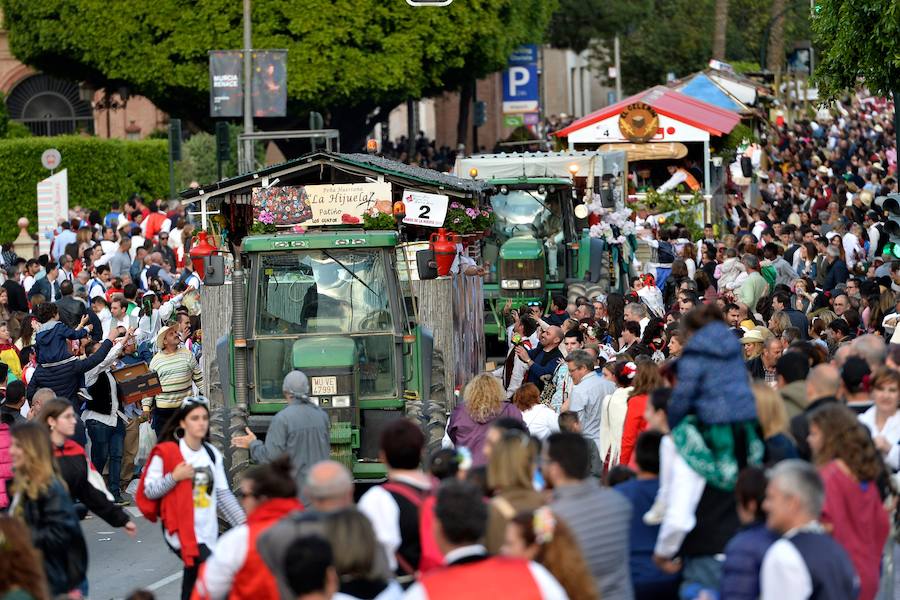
point(721, 29)
point(775, 51)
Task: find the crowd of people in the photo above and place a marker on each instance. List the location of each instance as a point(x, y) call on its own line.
point(728, 428)
point(113, 291)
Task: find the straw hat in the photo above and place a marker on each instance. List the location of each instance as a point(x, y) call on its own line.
point(754, 336)
point(162, 336)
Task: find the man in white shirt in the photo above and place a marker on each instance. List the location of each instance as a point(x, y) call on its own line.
point(806, 562)
point(65, 269)
point(32, 268)
point(637, 312)
point(97, 286)
point(853, 249)
point(386, 505)
point(118, 314)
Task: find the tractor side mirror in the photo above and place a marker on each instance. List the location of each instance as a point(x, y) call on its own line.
point(426, 264)
point(214, 270)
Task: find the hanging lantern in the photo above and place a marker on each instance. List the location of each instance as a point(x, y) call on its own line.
point(199, 251)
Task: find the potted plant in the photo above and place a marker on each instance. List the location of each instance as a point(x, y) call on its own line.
point(376, 219)
point(460, 219)
point(484, 220)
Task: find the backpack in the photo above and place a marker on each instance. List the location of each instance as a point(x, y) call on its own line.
point(424, 501)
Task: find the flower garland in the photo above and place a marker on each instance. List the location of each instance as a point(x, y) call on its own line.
point(615, 225)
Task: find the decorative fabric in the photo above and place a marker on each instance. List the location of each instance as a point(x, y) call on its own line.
point(711, 450)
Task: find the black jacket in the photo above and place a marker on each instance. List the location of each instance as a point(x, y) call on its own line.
point(837, 275)
point(756, 368)
point(96, 326)
point(65, 379)
point(637, 349)
point(55, 531)
point(73, 465)
point(15, 296)
point(798, 320)
point(70, 311)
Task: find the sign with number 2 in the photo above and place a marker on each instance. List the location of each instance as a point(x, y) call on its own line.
point(428, 210)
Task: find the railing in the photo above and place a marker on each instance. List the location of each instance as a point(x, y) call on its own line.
point(50, 126)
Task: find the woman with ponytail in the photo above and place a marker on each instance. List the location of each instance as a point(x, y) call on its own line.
point(184, 484)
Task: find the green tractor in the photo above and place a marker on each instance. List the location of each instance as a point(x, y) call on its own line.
point(335, 302)
point(540, 242)
point(329, 304)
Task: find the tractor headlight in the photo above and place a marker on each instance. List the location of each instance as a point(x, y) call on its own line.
point(510, 284)
point(531, 284)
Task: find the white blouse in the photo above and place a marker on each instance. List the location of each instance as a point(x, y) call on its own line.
point(541, 421)
point(890, 432)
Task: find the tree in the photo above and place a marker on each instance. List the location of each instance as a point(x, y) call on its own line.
point(721, 29)
point(576, 22)
point(344, 57)
point(775, 51)
point(686, 38)
point(858, 43)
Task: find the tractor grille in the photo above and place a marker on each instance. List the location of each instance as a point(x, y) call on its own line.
point(521, 270)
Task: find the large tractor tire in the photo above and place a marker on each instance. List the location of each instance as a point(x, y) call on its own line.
point(226, 422)
point(431, 413)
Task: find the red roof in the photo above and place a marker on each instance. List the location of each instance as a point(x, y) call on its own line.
point(666, 101)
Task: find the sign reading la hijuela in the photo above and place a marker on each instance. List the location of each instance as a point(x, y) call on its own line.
point(314, 205)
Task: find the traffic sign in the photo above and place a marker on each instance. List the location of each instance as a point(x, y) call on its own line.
point(51, 158)
point(520, 81)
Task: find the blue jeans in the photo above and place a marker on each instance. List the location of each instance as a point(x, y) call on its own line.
point(107, 443)
point(700, 573)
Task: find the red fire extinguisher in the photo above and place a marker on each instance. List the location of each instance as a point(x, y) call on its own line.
point(444, 247)
point(199, 251)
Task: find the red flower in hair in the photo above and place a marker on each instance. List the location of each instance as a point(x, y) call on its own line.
point(867, 382)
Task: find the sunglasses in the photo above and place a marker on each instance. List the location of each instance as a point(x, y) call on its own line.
point(195, 401)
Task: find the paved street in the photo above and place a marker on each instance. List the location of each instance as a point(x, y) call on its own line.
point(120, 565)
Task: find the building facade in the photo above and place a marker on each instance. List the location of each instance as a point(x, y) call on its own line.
point(51, 106)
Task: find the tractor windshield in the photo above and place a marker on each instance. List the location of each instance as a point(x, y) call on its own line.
point(323, 291)
point(527, 213)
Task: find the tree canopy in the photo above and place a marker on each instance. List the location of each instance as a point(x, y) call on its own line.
point(858, 41)
point(683, 45)
point(345, 57)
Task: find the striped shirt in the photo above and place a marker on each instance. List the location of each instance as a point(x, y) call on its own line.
point(176, 372)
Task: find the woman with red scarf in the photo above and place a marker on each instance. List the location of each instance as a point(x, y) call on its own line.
point(184, 484)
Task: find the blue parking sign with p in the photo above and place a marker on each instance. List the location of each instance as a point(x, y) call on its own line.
point(520, 81)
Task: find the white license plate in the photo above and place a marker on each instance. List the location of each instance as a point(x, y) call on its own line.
point(324, 386)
